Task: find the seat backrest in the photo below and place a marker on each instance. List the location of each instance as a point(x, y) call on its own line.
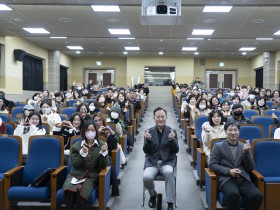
point(63, 117)
point(10, 128)
point(271, 132)
point(6, 117)
point(69, 111)
point(219, 140)
point(43, 152)
point(47, 127)
point(269, 112)
point(265, 121)
point(10, 152)
point(72, 101)
point(73, 140)
point(199, 120)
point(20, 104)
point(251, 131)
point(250, 113)
point(15, 111)
point(269, 104)
point(267, 156)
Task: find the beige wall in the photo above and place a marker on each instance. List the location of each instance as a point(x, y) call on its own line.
point(13, 69)
point(277, 68)
point(244, 72)
point(184, 67)
point(79, 64)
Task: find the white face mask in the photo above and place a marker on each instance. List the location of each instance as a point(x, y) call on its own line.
point(46, 110)
point(101, 100)
point(90, 135)
point(36, 98)
point(231, 94)
point(114, 115)
point(252, 97)
point(115, 95)
point(202, 106)
point(79, 88)
point(91, 108)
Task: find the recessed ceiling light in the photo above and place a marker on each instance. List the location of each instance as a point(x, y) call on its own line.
point(247, 48)
point(195, 38)
point(196, 53)
point(125, 53)
point(78, 52)
point(209, 20)
point(36, 30)
point(244, 53)
point(277, 33)
point(65, 20)
point(161, 40)
point(17, 19)
point(126, 38)
point(160, 53)
point(264, 39)
point(217, 8)
point(4, 7)
point(75, 47)
point(101, 53)
point(113, 20)
point(257, 21)
point(105, 8)
point(132, 48)
point(189, 48)
point(202, 32)
point(119, 31)
point(58, 37)
point(146, 68)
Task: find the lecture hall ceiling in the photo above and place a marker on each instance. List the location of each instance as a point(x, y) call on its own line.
point(75, 19)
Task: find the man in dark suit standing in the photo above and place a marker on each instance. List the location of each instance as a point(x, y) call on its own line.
point(232, 162)
point(160, 147)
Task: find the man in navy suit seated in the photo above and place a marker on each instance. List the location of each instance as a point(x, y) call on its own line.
point(232, 162)
point(160, 147)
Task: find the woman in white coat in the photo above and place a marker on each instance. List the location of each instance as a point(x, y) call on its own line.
point(30, 127)
point(214, 128)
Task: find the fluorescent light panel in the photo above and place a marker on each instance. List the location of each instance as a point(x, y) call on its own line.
point(75, 47)
point(264, 39)
point(244, 53)
point(126, 38)
point(195, 38)
point(36, 30)
point(202, 32)
point(125, 53)
point(4, 7)
point(217, 8)
point(132, 48)
point(196, 53)
point(277, 33)
point(58, 37)
point(160, 53)
point(247, 48)
point(105, 8)
point(119, 31)
point(189, 48)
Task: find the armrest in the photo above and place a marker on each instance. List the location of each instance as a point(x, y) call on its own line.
point(211, 189)
point(116, 159)
point(104, 187)
point(11, 178)
point(201, 165)
point(57, 180)
point(258, 179)
point(193, 148)
point(123, 142)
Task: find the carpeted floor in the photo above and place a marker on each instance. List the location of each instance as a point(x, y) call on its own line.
point(131, 188)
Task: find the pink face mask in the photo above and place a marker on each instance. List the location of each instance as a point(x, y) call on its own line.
point(90, 135)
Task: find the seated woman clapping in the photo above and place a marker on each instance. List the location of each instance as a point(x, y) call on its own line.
point(26, 128)
point(214, 128)
point(89, 157)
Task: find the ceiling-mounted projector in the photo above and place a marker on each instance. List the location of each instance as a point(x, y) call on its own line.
point(161, 9)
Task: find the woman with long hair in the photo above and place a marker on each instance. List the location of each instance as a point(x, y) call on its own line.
point(89, 157)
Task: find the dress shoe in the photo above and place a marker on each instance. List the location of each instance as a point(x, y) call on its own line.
point(153, 200)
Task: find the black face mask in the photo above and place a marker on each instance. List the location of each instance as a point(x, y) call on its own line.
point(238, 113)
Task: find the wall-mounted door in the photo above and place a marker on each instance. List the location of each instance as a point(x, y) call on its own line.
point(220, 79)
